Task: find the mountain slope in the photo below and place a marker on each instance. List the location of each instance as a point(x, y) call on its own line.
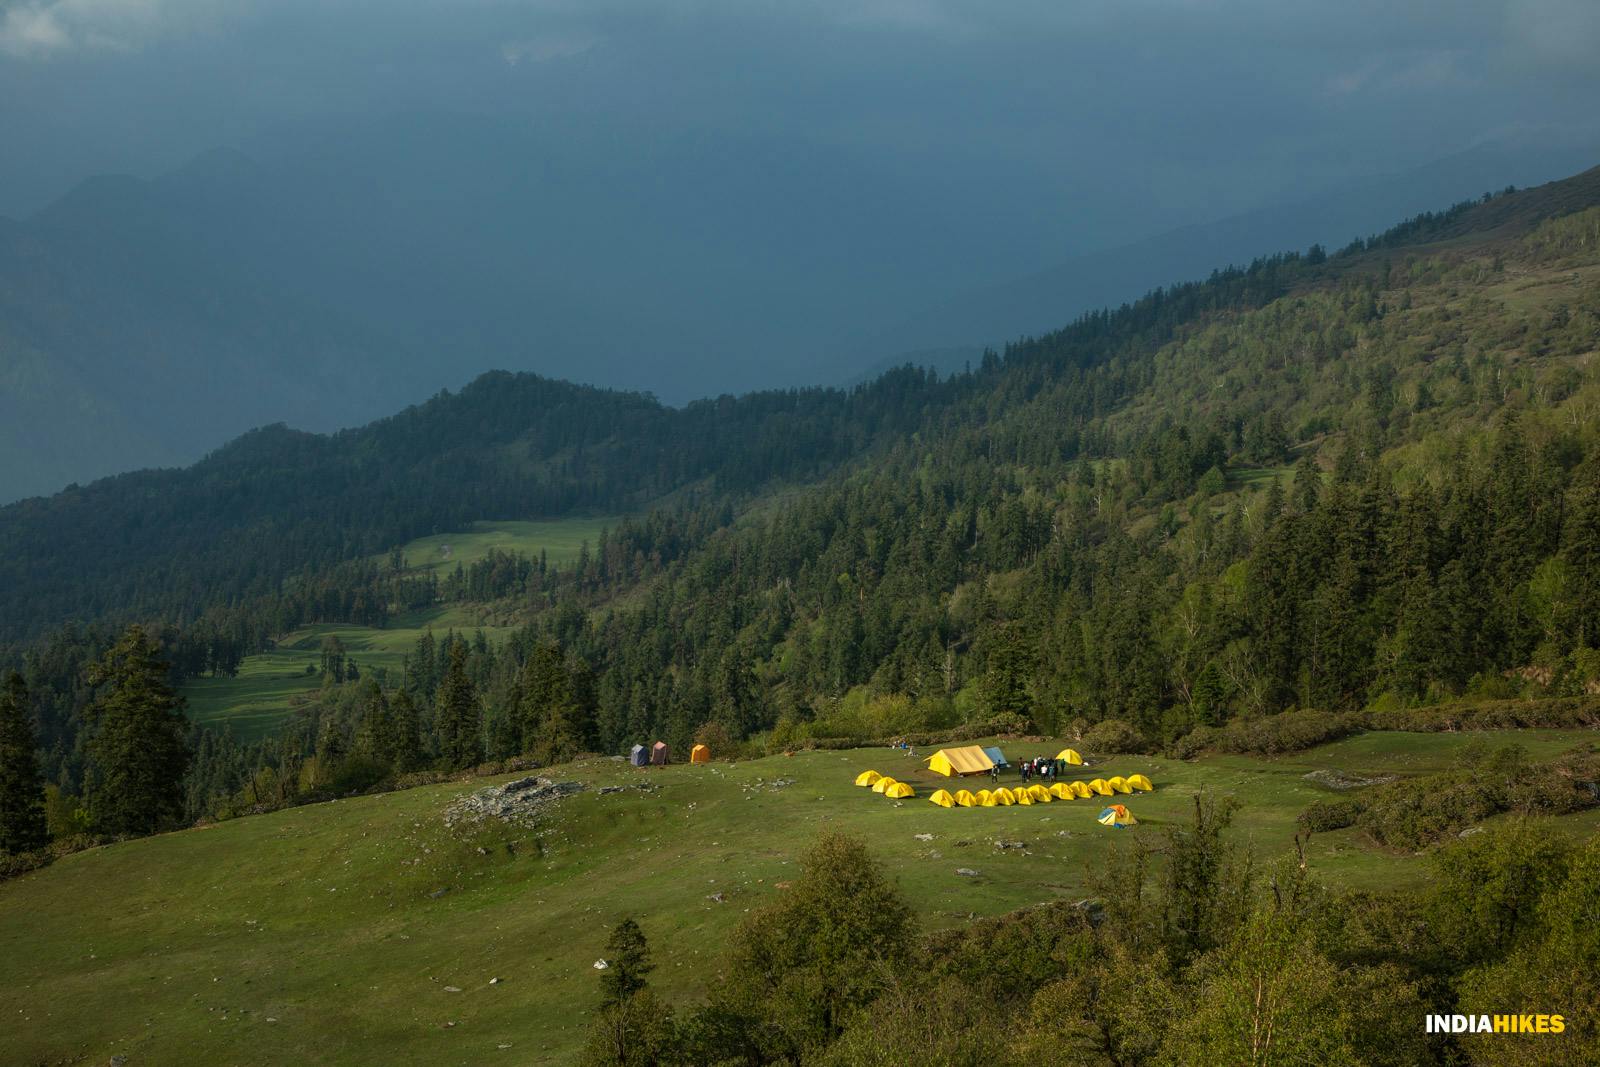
point(1038, 302)
point(142, 322)
point(1126, 413)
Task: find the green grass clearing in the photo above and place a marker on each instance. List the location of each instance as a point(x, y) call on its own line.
point(560, 539)
point(268, 685)
point(313, 935)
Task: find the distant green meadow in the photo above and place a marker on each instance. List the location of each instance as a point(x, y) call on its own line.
point(365, 930)
point(263, 694)
point(560, 539)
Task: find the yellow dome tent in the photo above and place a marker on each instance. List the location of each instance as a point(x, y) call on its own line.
point(1101, 786)
point(868, 778)
point(953, 761)
point(699, 754)
point(1040, 794)
point(1140, 782)
point(899, 791)
point(965, 799)
point(984, 798)
point(1118, 816)
point(1069, 757)
point(1022, 796)
point(1120, 784)
point(1004, 797)
point(1063, 791)
point(883, 783)
point(943, 799)
point(1080, 790)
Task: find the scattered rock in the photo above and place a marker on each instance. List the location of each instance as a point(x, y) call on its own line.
point(118, 1061)
point(521, 801)
point(1469, 831)
point(923, 837)
point(441, 891)
point(494, 981)
point(452, 989)
point(963, 843)
point(1003, 845)
point(601, 965)
point(1342, 781)
point(718, 897)
point(966, 872)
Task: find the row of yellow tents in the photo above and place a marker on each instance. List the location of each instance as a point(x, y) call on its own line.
point(1030, 794)
point(1003, 797)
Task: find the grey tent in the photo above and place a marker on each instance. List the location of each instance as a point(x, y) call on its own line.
point(658, 754)
point(640, 756)
point(996, 757)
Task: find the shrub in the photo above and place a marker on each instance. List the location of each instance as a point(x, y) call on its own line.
point(1555, 713)
point(1325, 815)
point(1419, 812)
point(1273, 735)
point(1113, 735)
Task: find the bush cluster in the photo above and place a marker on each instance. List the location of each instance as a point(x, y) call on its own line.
point(1271, 735)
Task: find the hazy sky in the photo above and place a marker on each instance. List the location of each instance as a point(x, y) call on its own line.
point(1175, 109)
point(727, 173)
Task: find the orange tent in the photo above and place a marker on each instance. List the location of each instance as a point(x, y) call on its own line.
point(699, 754)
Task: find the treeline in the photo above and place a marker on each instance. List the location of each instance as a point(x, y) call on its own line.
point(1186, 953)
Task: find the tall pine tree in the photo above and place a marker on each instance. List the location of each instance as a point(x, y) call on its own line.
point(137, 755)
point(459, 716)
point(22, 822)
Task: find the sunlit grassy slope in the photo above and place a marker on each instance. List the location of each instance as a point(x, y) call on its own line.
point(263, 694)
point(320, 935)
point(560, 539)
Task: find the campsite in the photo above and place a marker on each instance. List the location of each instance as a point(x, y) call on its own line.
point(374, 910)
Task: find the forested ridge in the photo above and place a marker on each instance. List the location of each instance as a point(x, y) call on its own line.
point(1366, 479)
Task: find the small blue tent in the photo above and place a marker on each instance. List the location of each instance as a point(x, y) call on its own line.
point(640, 756)
point(996, 757)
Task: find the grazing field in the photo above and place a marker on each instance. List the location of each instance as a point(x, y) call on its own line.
point(560, 539)
point(264, 692)
point(365, 931)
point(268, 684)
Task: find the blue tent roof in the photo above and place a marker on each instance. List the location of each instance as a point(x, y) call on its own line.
point(996, 756)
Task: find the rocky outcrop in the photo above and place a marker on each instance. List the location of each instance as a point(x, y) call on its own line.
point(521, 801)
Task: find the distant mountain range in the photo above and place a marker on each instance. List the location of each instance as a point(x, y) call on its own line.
point(142, 323)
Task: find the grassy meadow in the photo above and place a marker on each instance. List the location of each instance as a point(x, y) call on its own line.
point(268, 684)
point(365, 931)
point(560, 539)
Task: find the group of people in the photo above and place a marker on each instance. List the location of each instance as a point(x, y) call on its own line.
point(1042, 767)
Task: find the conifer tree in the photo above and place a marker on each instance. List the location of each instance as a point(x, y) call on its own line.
point(137, 755)
point(627, 963)
point(632, 1026)
point(459, 716)
point(405, 745)
point(22, 821)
